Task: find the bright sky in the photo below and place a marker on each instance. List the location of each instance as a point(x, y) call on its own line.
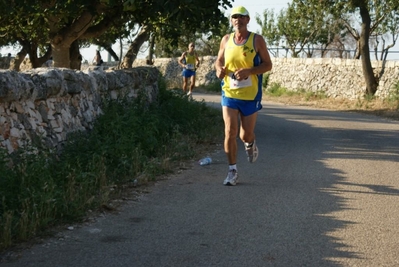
point(255, 7)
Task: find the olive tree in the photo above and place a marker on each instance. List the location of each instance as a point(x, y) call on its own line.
point(61, 25)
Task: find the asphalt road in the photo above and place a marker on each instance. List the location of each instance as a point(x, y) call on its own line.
point(324, 192)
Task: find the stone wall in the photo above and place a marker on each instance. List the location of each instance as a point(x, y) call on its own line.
point(50, 103)
point(5, 62)
point(338, 78)
point(172, 71)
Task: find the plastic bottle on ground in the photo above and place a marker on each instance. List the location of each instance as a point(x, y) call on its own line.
point(205, 161)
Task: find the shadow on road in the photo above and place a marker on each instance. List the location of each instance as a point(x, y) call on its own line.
point(314, 197)
point(310, 154)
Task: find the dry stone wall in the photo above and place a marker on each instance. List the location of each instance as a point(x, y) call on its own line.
point(50, 103)
point(172, 71)
point(47, 104)
point(337, 78)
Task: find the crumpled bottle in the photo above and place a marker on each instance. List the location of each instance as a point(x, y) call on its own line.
point(205, 161)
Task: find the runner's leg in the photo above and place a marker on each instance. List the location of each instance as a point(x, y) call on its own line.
point(230, 117)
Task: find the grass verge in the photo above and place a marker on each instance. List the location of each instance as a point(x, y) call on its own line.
point(133, 143)
point(388, 107)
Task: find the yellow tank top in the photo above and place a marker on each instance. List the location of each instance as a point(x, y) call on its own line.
point(241, 56)
point(190, 61)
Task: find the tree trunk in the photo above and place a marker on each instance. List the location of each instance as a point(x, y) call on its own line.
point(134, 48)
point(36, 61)
point(150, 60)
point(358, 49)
point(60, 48)
point(63, 38)
point(371, 81)
point(32, 48)
point(16, 62)
point(111, 52)
point(75, 56)
point(32, 52)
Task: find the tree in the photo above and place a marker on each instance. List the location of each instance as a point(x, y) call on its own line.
point(183, 17)
point(387, 31)
point(304, 24)
point(57, 26)
point(23, 30)
point(63, 23)
point(373, 14)
point(207, 40)
point(269, 28)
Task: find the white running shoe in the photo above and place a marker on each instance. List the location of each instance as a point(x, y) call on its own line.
point(232, 178)
point(189, 93)
point(252, 152)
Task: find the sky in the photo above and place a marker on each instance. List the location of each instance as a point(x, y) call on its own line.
point(255, 7)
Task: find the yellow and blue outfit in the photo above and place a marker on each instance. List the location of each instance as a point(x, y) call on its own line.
point(190, 61)
point(245, 95)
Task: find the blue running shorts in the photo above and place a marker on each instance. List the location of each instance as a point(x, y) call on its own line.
point(246, 107)
point(188, 73)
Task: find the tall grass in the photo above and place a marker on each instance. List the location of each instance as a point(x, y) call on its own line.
point(393, 98)
point(132, 143)
point(276, 90)
point(214, 87)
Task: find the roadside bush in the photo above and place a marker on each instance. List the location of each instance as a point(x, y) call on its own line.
point(132, 143)
point(214, 87)
point(275, 89)
point(393, 98)
point(265, 79)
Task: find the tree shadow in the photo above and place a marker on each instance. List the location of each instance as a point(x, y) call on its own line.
point(297, 151)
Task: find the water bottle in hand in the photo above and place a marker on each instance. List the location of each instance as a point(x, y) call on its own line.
point(205, 161)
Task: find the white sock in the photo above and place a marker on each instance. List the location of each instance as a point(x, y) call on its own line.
point(249, 145)
point(233, 167)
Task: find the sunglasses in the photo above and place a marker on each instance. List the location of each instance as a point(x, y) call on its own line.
point(238, 16)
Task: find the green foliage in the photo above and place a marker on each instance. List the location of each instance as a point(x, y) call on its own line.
point(307, 25)
point(393, 98)
point(275, 89)
point(368, 97)
point(313, 95)
point(36, 24)
point(132, 143)
point(205, 35)
point(214, 87)
point(265, 79)
point(394, 95)
point(269, 28)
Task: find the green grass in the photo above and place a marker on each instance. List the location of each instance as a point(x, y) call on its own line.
point(214, 87)
point(393, 98)
point(132, 143)
point(387, 107)
point(275, 90)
